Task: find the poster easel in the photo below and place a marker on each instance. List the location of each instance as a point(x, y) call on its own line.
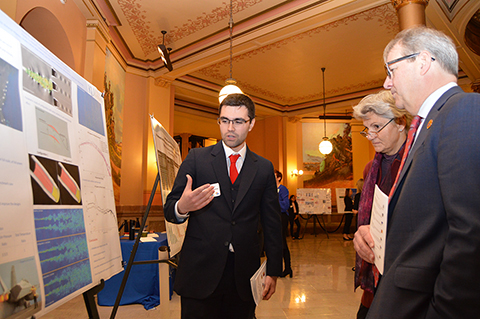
point(168, 160)
point(314, 202)
point(315, 220)
point(169, 261)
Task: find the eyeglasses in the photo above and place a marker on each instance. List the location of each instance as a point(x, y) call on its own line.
point(387, 65)
point(366, 132)
point(236, 122)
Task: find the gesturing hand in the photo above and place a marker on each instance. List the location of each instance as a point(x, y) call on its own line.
point(194, 199)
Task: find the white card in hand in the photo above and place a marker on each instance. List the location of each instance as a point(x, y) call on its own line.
point(216, 188)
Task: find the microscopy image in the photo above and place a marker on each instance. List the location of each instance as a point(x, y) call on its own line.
point(46, 83)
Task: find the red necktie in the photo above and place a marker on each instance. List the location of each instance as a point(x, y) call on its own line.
point(233, 167)
point(411, 137)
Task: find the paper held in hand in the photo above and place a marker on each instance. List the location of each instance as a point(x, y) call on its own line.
point(257, 282)
point(378, 226)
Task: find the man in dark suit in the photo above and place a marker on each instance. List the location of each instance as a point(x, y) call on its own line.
point(221, 250)
point(432, 250)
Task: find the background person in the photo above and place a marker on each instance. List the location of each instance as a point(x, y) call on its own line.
point(221, 250)
point(385, 127)
point(293, 215)
point(433, 234)
point(358, 195)
point(284, 204)
point(347, 214)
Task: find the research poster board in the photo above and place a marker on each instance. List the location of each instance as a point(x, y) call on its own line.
point(314, 201)
point(169, 159)
point(58, 225)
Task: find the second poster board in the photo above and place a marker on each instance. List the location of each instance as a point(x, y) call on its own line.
point(314, 201)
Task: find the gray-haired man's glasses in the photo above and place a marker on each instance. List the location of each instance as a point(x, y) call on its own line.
point(388, 64)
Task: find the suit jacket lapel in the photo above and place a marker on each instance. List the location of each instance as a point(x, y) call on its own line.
point(219, 165)
point(423, 133)
point(249, 169)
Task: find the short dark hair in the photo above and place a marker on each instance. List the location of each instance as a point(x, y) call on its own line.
point(278, 174)
point(237, 99)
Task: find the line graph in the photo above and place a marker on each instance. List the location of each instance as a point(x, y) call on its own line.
point(94, 158)
point(52, 133)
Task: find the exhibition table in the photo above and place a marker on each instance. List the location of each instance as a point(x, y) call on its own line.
point(143, 282)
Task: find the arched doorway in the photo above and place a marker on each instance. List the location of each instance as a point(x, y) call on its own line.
point(46, 28)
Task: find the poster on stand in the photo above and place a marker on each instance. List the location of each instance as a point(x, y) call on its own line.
point(58, 225)
point(169, 159)
point(314, 201)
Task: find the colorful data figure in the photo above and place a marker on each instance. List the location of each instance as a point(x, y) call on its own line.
point(54, 183)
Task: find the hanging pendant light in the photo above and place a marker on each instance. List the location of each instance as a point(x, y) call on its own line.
point(325, 147)
point(165, 53)
point(230, 84)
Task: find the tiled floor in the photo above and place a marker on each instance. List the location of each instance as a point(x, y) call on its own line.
point(321, 287)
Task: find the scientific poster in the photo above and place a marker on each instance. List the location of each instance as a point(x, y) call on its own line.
point(168, 161)
point(313, 201)
point(58, 226)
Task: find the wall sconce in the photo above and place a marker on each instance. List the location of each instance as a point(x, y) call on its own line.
point(297, 172)
point(165, 53)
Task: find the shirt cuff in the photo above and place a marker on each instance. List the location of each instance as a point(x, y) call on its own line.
point(181, 218)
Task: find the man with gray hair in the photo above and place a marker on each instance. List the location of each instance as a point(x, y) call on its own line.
point(432, 249)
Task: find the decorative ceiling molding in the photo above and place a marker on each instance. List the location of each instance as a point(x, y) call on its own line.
point(95, 24)
point(143, 31)
point(216, 15)
point(384, 14)
point(161, 82)
point(400, 3)
point(294, 119)
point(136, 18)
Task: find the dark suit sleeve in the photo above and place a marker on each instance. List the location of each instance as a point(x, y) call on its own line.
point(272, 225)
point(187, 167)
point(457, 288)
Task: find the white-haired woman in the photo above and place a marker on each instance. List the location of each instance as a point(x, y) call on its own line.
point(386, 127)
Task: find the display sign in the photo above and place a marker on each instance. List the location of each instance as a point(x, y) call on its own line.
point(314, 201)
point(58, 225)
point(169, 159)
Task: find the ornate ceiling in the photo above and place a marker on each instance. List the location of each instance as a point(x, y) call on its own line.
point(279, 48)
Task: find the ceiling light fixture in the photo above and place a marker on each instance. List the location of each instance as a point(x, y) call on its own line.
point(230, 86)
point(325, 147)
point(165, 53)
